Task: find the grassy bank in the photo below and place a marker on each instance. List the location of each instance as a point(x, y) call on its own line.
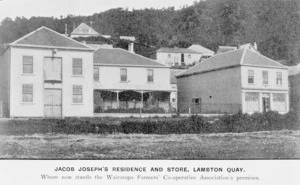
point(252, 145)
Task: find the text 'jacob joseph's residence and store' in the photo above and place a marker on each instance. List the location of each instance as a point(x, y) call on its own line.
point(150, 173)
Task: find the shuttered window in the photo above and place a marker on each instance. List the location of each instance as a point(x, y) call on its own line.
point(279, 78)
point(250, 76)
point(27, 64)
point(150, 75)
point(77, 94)
point(77, 66)
point(123, 75)
point(27, 93)
point(96, 74)
point(265, 77)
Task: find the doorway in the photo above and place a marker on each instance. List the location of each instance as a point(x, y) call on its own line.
point(266, 102)
point(52, 103)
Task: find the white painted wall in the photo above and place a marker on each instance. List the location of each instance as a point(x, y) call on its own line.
point(258, 78)
point(36, 108)
point(163, 58)
point(260, 88)
point(135, 75)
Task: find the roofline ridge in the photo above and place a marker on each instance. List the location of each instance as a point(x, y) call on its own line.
point(67, 37)
point(161, 65)
point(243, 56)
point(208, 60)
point(141, 56)
point(44, 27)
point(202, 47)
point(27, 35)
point(87, 26)
point(268, 58)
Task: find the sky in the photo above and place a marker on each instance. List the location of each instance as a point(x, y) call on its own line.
point(56, 8)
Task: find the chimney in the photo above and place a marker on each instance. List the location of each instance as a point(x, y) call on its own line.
point(66, 29)
point(131, 47)
point(91, 24)
point(238, 46)
point(255, 45)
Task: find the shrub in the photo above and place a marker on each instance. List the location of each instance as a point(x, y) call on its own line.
point(175, 125)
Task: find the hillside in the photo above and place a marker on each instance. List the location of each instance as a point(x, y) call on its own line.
point(273, 24)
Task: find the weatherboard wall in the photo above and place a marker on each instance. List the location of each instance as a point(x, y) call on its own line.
point(218, 91)
point(174, 58)
point(4, 83)
point(36, 108)
point(135, 75)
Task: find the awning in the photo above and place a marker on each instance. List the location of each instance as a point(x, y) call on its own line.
point(133, 87)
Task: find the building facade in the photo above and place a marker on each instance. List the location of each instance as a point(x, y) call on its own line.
point(127, 82)
point(182, 56)
point(239, 80)
point(46, 74)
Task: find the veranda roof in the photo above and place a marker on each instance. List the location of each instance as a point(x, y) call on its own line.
point(132, 87)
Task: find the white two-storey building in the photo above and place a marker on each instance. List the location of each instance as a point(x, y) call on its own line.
point(127, 82)
point(182, 56)
point(46, 74)
point(238, 80)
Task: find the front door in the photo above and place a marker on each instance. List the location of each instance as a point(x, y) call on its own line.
point(182, 59)
point(266, 102)
point(52, 103)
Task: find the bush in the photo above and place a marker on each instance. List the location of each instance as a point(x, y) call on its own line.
point(175, 125)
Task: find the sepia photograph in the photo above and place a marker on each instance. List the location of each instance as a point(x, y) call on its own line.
point(149, 80)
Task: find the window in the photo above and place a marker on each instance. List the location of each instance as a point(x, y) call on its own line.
point(278, 97)
point(77, 66)
point(196, 101)
point(250, 76)
point(279, 78)
point(77, 94)
point(169, 55)
point(173, 100)
point(96, 74)
point(27, 64)
point(251, 96)
point(27, 93)
point(123, 75)
point(189, 56)
point(265, 77)
point(150, 75)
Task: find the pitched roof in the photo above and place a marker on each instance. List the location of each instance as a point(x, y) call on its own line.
point(121, 57)
point(173, 74)
point(201, 49)
point(176, 50)
point(294, 70)
point(45, 37)
point(223, 49)
point(233, 58)
point(84, 29)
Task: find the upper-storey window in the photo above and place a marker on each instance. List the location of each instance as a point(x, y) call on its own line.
point(265, 78)
point(169, 55)
point(27, 64)
point(77, 66)
point(123, 75)
point(279, 78)
point(150, 75)
point(250, 77)
point(96, 74)
point(189, 56)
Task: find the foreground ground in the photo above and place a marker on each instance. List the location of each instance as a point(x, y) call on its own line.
point(255, 145)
